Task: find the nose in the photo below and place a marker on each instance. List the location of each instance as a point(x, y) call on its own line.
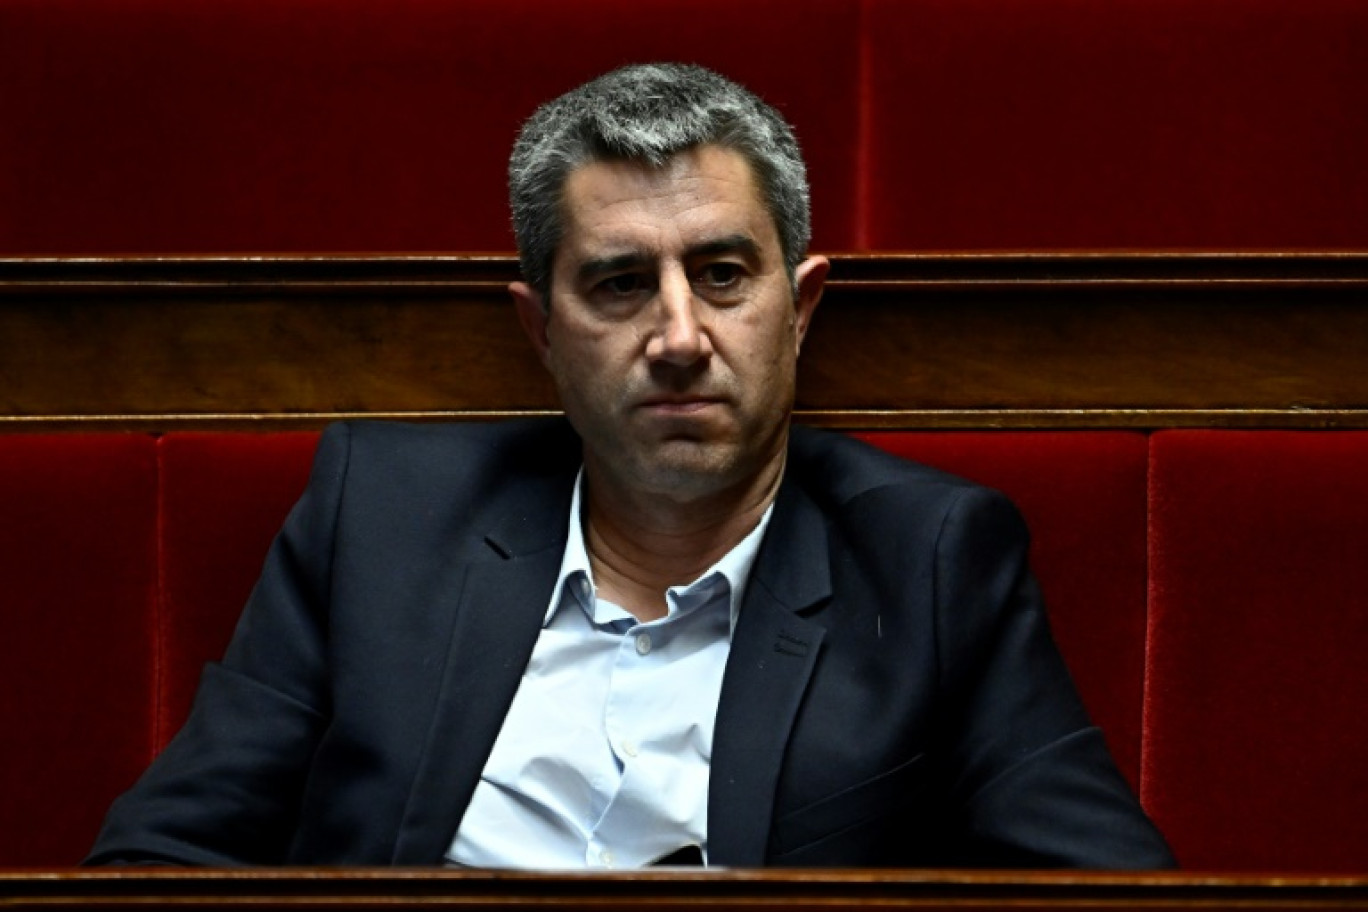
point(679, 336)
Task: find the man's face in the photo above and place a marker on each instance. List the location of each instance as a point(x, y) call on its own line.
point(673, 332)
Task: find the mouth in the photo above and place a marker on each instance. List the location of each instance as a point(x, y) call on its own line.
point(679, 405)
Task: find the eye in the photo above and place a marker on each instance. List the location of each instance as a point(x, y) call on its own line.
point(618, 295)
point(721, 275)
point(622, 285)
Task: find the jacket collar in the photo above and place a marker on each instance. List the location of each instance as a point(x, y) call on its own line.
point(498, 605)
point(773, 654)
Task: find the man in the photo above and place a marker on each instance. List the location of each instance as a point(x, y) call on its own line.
point(671, 628)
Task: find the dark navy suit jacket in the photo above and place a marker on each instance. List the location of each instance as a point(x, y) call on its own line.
point(892, 696)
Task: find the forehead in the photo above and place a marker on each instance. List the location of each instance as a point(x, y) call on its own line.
point(701, 192)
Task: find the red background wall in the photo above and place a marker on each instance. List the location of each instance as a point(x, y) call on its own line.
point(159, 126)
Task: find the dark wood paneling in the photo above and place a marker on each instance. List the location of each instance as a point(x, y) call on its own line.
point(718, 890)
point(953, 341)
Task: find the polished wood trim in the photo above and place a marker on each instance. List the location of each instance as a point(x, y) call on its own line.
point(483, 272)
point(848, 420)
point(675, 889)
point(955, 341)
point(1091, 270)
point(294, 275)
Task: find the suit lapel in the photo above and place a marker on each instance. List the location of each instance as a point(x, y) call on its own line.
point(773, 653)
point(498, 614)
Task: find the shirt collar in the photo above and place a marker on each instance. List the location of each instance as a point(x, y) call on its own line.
point(735, 566)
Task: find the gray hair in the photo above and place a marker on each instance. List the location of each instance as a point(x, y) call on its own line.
point(647, 113)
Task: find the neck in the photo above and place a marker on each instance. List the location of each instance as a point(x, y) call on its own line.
point(641, 545)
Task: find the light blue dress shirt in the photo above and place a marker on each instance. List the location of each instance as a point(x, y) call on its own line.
point(602, 761)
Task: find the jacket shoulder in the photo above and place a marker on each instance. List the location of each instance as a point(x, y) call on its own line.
point(881, 504)
point(836, 468)
point(428, 482)
point(480, 455)
point(523, 443)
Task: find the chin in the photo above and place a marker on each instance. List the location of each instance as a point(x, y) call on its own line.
point(691, 469)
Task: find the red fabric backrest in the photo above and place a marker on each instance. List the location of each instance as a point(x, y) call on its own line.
point(356, 125)
point(1126, 123)
point(77, 666)
point(161, 126)
point(1083, 497)
point(223, 498)
point(127, 560)
point(1256, 747)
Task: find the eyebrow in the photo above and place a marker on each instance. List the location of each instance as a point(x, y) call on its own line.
point(622, 262)
point(732, 243)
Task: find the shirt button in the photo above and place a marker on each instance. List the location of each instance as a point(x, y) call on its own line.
point(643, 643)
point(629, 748)
point(606, 858)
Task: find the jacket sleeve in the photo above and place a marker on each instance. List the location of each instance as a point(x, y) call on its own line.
point(226, 790)
point(1033, 782)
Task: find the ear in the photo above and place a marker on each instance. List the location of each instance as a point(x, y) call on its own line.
point(810, 277)
point(532, 315)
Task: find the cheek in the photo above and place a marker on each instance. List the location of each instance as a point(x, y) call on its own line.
point(582, 358)
point(779, 343)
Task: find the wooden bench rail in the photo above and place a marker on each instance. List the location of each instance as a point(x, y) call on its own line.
point(1019, 340)
point(673, 889)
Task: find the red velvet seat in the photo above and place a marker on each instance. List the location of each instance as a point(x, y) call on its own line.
point(224, 496)
point(1256, 747)
point(356, 125)
point(1130, 123)
point(78, 667)
point(244, 125)
point(1083, 497)
point(127, 560)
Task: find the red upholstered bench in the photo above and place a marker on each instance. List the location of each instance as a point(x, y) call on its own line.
point(78, 655)
point(281, 125)
point(1256, 748)
point(126, 560)
point(1233, 706)
point(1207, 588)
point(223, 496)
point(246, 125)
point(1126, 124)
